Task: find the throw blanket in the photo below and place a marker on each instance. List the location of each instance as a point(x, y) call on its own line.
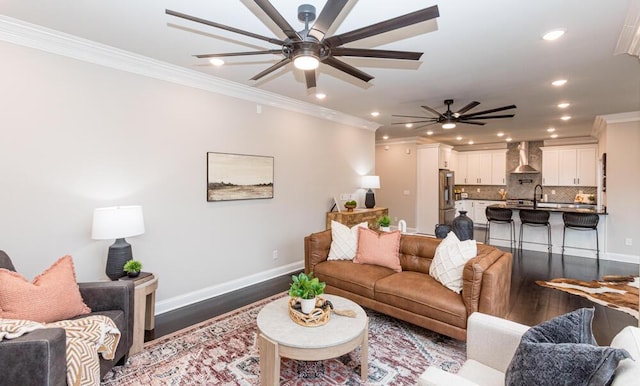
point(86, 338)
point(618, 292)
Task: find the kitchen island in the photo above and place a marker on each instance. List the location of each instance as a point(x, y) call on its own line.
point(577, 243)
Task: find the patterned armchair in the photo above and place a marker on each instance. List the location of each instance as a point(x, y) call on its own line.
point(39, 357)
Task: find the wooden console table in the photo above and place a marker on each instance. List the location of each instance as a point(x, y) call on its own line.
point(350, 219)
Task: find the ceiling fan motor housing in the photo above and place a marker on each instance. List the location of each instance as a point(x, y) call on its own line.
point(306, 13)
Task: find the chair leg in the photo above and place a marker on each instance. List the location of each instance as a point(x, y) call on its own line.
point(549, 239)
point(520, 241)
point(597, 247)
point(564, 230)
point(487, 238)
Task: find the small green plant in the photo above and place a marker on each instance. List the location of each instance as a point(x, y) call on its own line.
point(132, 266)
point(384, 221)
point(352, 203)
point(306, 286)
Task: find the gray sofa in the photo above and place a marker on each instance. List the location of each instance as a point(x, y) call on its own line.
point(39, 357)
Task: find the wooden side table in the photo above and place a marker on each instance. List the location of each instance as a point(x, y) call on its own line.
point(144, 308)
point(350, 219)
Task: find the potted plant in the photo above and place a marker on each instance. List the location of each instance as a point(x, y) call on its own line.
point(350, 205)
point(306, 288)
point(384, 222)
point(132, 268)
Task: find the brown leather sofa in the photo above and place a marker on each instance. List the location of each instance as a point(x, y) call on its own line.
point(413, 295)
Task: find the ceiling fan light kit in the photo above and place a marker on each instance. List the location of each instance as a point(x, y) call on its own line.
point(310, 47)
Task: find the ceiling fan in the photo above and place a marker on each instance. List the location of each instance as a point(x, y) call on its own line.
point(448, 119)
point(311, 46)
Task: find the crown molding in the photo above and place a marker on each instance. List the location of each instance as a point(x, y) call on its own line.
point(34, 36)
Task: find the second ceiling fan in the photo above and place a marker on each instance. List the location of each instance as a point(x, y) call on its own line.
point(310, 46)
point(448, 119)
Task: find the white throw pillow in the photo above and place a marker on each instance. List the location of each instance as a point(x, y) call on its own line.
point(344, 241)
point(448, 263)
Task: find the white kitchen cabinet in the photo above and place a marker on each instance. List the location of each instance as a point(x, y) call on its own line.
point(444, 157)
point(499, 167)
point(479, 208)
point(569, 165)
point(465, 205)
point(461, 171)
point(479, 168)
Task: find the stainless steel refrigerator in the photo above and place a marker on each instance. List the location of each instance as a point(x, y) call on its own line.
point(446, 205)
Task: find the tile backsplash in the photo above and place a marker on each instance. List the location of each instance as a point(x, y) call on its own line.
point(521, 185)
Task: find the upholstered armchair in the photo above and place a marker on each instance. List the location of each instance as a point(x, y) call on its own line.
point(39, 358)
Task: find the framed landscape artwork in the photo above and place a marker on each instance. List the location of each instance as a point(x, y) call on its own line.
point(239, 177)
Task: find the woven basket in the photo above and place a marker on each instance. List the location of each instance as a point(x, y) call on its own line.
point(317, 317)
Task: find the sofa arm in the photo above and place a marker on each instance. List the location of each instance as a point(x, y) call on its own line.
point(111, 295)
point(486, 282)
point(35, 358)
point(493, 341)
point(316, 249)
point(435, 376)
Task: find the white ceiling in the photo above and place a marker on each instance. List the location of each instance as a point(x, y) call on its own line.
point(490, 51)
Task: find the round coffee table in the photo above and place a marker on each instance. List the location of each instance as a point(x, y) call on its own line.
point(279, 336)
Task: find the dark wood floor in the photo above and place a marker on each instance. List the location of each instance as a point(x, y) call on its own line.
point(530, 303)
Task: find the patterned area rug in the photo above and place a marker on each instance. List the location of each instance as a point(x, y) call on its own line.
point(224, 351)
point(617, 292)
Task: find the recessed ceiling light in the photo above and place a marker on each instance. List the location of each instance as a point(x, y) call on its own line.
point(216, 62)
point(375, 113)
point(321, 95)
point(564, 105)
point(551, 129)
point(500, 134)
point(554, 135)
point(459, 138)
point(470, 142)
point(565, 117)
point(385, 137)
point(408, 125)
point(553, 35)
point(559, 82)
point(509, 139)
point(430, 132)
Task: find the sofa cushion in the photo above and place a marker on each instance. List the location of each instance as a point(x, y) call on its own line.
point(379, 248)
point(53, 295)
point(359, 279)
point(448, 264)
point(563, 351)
point(344, 240)
point(423, 295)
point(628, 370)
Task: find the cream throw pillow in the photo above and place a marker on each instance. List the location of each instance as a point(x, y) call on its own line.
point(344, 241)
point(448, 264)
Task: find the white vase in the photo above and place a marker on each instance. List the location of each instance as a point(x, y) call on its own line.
point(385, 229)
point(308, 305)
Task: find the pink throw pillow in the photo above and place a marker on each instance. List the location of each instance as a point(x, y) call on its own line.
point(54, 294)
point(379, 249)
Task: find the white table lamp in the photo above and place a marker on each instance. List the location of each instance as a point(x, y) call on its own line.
point(117, 222)
point(370, 182)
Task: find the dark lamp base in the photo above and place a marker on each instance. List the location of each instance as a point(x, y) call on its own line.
point(369, 199)
point(119, 253)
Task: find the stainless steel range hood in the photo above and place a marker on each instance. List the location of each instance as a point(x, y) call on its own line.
point(523, 167)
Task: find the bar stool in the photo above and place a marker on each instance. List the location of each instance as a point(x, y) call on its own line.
point(581, 222)
point(536, 218)
point(500, 216)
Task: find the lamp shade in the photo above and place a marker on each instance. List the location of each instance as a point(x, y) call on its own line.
point(371, 182)
point(117, 222)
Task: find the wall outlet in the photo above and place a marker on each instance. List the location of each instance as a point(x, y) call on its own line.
point(275, 254)
point(628, 241)
point(478, 190)
point(553, 191)
point(406, 192)
point(345, 196)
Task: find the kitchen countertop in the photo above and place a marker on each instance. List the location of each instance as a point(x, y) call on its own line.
point(571, 208)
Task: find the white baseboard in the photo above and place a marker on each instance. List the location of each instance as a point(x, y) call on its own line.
point(223, 288)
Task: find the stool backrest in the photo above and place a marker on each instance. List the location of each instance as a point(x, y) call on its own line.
point(534, 216)
point(580, 220)
point(498, 214)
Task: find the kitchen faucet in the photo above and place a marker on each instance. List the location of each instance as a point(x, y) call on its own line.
point(535, 201)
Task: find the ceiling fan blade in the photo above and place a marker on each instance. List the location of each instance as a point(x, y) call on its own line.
point(404, 123)
point(384, 26)
point(383, 54)
point(204, 56)
point(467, 108)
point(488, 111)
point(310, 78)
point(347, 68)
point(274, 15)
point(224, 27)
point(472, 123)
point(433, 111)
point(495, 116)
point(421, 126)
point(272, 68)
point(326, 18)
point(409, 116)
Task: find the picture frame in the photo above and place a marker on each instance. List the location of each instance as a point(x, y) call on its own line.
point(239, 177)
